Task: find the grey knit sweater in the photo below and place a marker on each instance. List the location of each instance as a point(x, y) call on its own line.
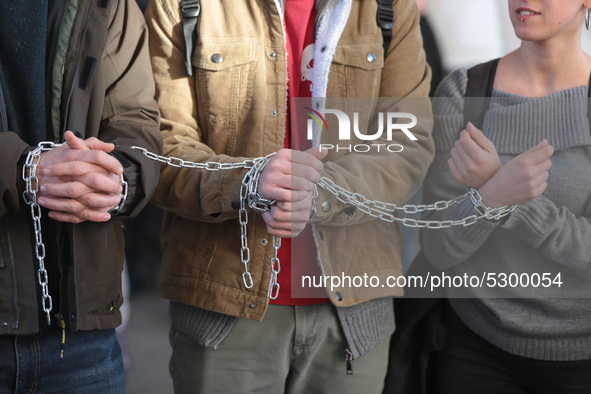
point(365, 325)
point(550, 234)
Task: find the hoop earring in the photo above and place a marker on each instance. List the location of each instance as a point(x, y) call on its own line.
point(588, 18)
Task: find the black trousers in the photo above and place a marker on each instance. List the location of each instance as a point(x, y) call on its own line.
point(468, 364)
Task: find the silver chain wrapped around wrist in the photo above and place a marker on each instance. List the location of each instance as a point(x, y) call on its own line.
point(486, 211)
point(122, 196)
point(249, 197)
point(30, 196)
point(386, 211)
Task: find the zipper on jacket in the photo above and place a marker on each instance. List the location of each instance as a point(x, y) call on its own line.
point(61, 293)
point(349, 361)
point(63, 325)
point(15, 300)
point(319, 15)
point(76, 68)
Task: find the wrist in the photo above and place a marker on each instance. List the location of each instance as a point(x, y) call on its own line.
point(489, 197)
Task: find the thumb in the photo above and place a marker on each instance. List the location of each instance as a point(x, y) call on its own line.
point(318, 152)
point(74, 142)
point(480, 138)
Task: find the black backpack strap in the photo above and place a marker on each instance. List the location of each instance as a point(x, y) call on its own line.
point(481, 79)
point(190, 10)
point(385, 19)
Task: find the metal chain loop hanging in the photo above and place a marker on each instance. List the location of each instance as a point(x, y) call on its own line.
point(30, 196)
point(249, 197)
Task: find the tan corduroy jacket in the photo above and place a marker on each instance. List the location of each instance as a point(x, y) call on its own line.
point(234, 109)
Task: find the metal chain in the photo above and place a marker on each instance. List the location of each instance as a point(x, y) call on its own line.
point(275, 269)
point(180, 163)
point(30, 197)
point(381, 210)
point(250, 197)
point(377, 209)
point(122, 196)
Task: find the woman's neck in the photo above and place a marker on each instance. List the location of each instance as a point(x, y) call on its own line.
point(538, 69)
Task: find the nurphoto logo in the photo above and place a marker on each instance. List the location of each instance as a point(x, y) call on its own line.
point(344, 129)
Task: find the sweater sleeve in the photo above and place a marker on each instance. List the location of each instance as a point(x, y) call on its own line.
point(447, 247)
point(555, 232)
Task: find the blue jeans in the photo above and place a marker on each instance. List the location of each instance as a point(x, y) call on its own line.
point(92, 363)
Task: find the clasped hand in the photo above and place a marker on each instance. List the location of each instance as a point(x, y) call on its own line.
point(475, 162)
point(79, 180)
point(289, 178)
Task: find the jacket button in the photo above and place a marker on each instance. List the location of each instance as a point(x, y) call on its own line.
point(274, 112)
point(321, 235)
point(217, 58)
point(252, 305)
point(325, 207)
point(265, 241)
point(236, 205)
point(323, 49)
point(371, 57)
point(5, 324)
point(273, 54)
point(339, 296)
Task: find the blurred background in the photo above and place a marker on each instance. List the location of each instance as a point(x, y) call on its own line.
point(457, 33)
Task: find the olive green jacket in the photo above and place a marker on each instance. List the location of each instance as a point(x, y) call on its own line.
point(102, 87)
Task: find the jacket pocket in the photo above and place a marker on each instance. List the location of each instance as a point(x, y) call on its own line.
point(225, 79)
point(357, 70)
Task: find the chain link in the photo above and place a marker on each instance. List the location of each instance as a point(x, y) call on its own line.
point(275, 269)
point(30, 196)
point(249, 197)
point(122, 196)
point(385, 211)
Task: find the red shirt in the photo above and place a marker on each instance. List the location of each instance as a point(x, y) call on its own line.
point(302, 258)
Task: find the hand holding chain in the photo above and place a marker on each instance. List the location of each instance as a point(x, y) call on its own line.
point(377, 209)
point(29, 175)
point(250, 197)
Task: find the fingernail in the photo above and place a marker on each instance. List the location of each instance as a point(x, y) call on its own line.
point(120, 170)
point(43, 189)
point(106, 216)
point(41, 201)
point(46, 172)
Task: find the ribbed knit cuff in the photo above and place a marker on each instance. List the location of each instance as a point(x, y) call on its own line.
point(476, 233)
point(368, 324)
point(205, 327)
point(529, 221)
